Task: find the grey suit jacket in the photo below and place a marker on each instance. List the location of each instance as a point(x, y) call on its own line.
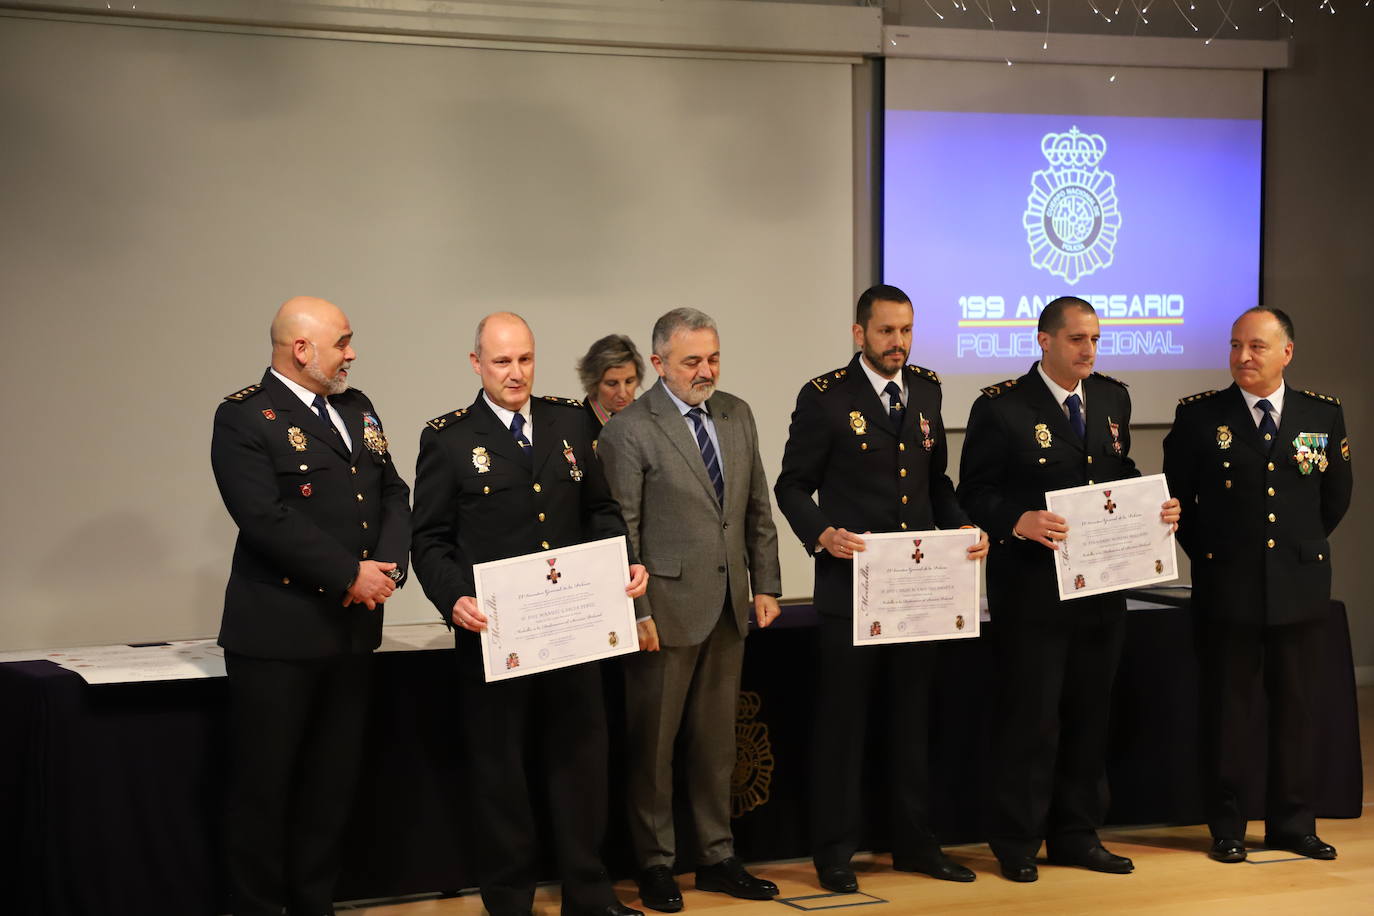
point(691, 545)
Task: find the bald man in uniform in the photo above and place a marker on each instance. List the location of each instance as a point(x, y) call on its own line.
point(302, 464)
point(507, 476)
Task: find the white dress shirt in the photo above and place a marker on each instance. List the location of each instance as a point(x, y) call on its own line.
point(506, 416)
point(1256, 414)
point(308, 399)
point(879, 383)
point(1062, 394)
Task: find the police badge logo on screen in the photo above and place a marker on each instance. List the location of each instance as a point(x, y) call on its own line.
point(1071, 217)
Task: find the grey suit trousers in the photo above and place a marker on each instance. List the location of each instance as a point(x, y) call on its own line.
point(692, 691)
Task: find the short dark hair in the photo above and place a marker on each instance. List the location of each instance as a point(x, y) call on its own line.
point(1279, 315)
point(607, 353)
point(880, 293)
point(1052, 318)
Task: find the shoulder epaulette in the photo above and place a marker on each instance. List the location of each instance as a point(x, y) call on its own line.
point(243, 394)
point(1199, 396)
point(993, 391)
point(1328, 398)
point(822, 382)
point(923, 372)
point(565, 402)
point(1110, 379)
point(443, 420)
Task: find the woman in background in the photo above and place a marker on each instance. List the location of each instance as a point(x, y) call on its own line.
point(610, 373)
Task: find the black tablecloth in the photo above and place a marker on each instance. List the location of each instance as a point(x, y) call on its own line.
point(112, 794)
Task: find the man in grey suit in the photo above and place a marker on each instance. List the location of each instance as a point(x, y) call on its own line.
point(683, 461)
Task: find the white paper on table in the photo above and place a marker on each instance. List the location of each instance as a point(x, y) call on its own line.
point(555, 608)
point(1116, 539)
point(913, 586)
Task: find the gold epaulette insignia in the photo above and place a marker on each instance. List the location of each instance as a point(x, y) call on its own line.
point(243, 394)
point(822, 382)
point(1198, 397)
point(443, 420)
point(925, 373)
point(1118, 381)
point(565, 402)
point(1328, 398)
point(993, 391)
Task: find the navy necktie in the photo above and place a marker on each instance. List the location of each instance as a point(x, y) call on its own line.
point(1267, 429)
point(322, 408)
point(1075, 405)
point(894, 407)
point(708, 452)
point(517, 431)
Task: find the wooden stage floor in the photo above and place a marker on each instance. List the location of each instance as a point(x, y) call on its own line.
point(1173, 876)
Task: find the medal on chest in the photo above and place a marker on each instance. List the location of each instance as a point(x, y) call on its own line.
point(574, 471)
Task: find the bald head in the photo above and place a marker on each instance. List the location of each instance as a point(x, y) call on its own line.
point(312, 344)
point(503, 355)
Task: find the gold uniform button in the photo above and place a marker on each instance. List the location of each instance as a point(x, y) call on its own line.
point(541, 516)
point(863, 446)
point(1271, 491)
point(902, 472)
point(1271, 517)
point(904, 500)
point(320, 590)
point(1320, 558)
point(1209, 556)
point(486, 490)
point(364, 526)
point(901, 446)
point(285, 580)
point(305, 467)
point(1090, 459)
point(1271, 465)
point(364, 553)
point(1228, 484)
point(1268, 436)
point(1090, 483)
point(538, 488)
point(352, 470)
point(1226, 464)
point(1270, 542)
point(544, 544)
point(903, 526)
point(360, 497)
point(1042, 460)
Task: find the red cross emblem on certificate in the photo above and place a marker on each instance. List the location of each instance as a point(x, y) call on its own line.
point(554, 575)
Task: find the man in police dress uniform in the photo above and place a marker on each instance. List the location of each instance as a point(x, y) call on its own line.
point(1059, 425)
point(508, 476)
point(1263, 471)
point(324, 527)
point(866, 452)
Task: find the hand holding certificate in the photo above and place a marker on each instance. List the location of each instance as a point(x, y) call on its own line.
point(555, 608)
point(912, 586)
point(1116, 538)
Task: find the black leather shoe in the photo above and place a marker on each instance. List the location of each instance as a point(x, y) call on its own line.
point(1021, 869)
point(658, 889)
point(1225, 849)
point(728, 876)
point(610, 909)
point(1097, 859)
point(838, 879)
point(1310, 845)
point(937, 865)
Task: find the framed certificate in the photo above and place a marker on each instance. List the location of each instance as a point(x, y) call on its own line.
point(1116, 539)
point(912, 586)
point(555, 608)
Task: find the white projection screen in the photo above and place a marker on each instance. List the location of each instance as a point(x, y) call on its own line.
point(165, 189)
point(1135, 188)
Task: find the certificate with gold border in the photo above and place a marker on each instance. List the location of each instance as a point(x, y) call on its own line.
point(913, 586)
point(555, 608)
point(1116, 539)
